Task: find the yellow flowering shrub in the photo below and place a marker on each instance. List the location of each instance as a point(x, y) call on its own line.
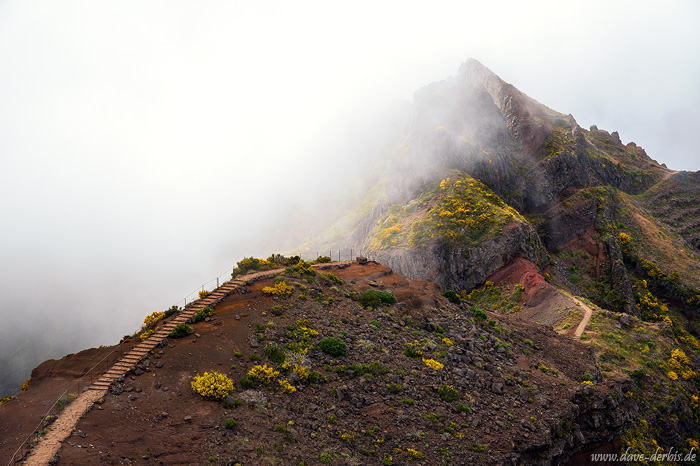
point(623, 238)
point(345, 437)
point(433, 363)
point(263, 374)
point(679, 363)
point(212, 385)
point(587, 382)
point(147, 334)
point(203, 294)
point(672, 375)
point(154, 317)
point(25, 386)
point(413, 350)
point(286, 386)
point(679, 356)
point(251, 264)
point(447, 341)
point(280, 289)
point(457, 209)
point(466, 210)
point(412, 454)
point(301, 371)
point(651, 309)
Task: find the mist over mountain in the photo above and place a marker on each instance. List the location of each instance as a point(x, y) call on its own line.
point(532, 297)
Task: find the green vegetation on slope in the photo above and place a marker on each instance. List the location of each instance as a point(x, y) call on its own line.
point(456, 210)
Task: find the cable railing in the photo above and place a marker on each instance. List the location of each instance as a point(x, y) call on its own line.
point(334, 255)
point(36, 431)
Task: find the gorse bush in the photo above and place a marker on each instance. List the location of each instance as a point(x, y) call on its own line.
point(280, 289)
point(303, 268)
point(154, 317)
point(203, 294)
point(181, 330)
point(203, 313)
point(333, 346)
point(212, 385)
point(434, 364)
point(413, 350)
point(251, 264)
point(448, 393)
point(375, 298)
point(263, 374)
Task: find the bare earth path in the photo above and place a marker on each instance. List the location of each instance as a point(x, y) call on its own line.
point(586, 318)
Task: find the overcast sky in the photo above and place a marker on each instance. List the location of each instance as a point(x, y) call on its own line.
point(145, 145)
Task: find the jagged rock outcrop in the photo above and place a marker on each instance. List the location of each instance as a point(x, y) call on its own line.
point(464, 267)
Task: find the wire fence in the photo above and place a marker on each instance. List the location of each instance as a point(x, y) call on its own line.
point(36, 431)
point(339, 255)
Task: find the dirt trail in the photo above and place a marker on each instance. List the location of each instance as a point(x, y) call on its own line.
point(586, 318)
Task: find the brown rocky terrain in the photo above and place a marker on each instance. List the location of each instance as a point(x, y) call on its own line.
point(372, 404)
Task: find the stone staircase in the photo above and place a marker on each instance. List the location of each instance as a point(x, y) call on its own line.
point(59, 431)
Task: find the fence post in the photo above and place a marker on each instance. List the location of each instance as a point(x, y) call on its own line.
point(350, 253)
point(217, 282)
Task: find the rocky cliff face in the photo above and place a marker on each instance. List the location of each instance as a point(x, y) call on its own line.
point(465, 267)
point(530, 155)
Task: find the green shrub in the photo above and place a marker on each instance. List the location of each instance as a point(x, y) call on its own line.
point(275, 354)
point(277, 310)
point(181, 330)
point(479, 314)
point(248, 382)
point(448, 393)
point(230, 405)
point(230, 423)
point(65, 400)
point(374, 368)
point(203, 313)
point(171, 311)
point(452, 297)
point(395, 388)
point(328, 278)
point(333, 346)
point(413, 350)
point(375, 298)
point(323, 259)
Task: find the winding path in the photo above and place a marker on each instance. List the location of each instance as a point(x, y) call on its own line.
point(586, 318)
